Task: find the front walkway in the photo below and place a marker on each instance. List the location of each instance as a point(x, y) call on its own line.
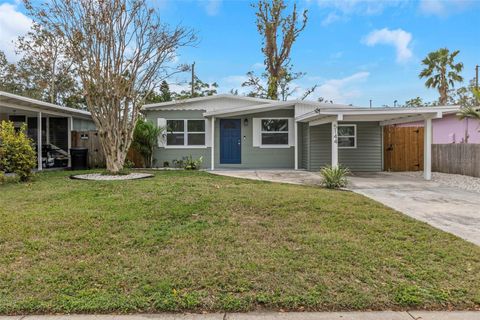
point(283, 176)
point(370, 315)
point(447, 208)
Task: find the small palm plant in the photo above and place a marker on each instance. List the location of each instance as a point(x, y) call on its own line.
point(470, 111)
point(334, 177)
point(145, 139)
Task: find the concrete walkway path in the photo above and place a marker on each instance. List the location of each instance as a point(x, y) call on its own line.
point(381, 315)
point(282, 176)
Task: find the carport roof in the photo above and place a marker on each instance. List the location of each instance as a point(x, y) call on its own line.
point(386, 116)
point(13, 101)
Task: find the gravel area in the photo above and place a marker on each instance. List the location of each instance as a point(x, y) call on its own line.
point(452, 180)
point(103, 177)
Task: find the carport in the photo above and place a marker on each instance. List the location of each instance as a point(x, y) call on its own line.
point(48, 125)
point(384, 116)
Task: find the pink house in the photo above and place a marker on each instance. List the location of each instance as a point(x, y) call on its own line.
point(450, 129)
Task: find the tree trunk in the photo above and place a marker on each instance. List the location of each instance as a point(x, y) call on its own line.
point(272, 92)
point(115, 149)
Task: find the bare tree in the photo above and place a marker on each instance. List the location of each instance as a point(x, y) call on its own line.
point(279, 33)
point(52, 74)
point(120, 49)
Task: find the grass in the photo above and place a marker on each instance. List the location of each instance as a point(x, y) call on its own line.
point(194, 241)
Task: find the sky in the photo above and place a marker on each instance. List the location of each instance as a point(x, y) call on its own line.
point(354, 50)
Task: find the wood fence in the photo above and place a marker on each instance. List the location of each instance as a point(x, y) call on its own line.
point(90, 140)
point(403, 148)
point(96, 158)
point(459, 158)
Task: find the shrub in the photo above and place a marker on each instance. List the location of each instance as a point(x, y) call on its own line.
point(145, 138)
point(128, 164)
point(334, 177)
point(16, 152)
point(190, 164)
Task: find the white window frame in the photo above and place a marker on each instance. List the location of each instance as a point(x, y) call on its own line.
point(354, 136)
point(185, 135)
point(287, 145)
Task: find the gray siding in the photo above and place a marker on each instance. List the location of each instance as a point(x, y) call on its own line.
point(367, 157)
point(304, 145)
point(320, 147)
point(161, 154)
point(254, 157)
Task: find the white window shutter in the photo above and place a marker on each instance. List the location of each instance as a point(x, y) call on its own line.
point(208, 132)
point(162, 138)
point(256, 132)
point(291, 132)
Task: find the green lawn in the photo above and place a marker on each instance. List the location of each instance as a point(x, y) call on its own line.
point(195, 241)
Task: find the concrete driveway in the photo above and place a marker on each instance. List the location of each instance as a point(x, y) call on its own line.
point(444, 207)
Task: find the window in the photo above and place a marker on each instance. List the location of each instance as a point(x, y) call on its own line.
point(347, 136)
point(185, 132)
point(274, 131)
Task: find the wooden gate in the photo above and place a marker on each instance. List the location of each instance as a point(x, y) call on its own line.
point(96, 158)
point(90, 140)
point(403, 148)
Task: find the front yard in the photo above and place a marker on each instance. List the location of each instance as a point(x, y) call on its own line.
point(194, 241)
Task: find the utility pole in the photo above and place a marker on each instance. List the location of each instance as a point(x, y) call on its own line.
point(476, 76)
point(193, 80)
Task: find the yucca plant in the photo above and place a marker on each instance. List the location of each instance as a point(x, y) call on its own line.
point(334, 177)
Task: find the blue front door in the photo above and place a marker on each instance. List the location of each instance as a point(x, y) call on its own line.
point(230, 141)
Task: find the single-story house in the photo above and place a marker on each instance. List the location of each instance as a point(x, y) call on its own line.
point(236, 132)
point(48, 125)
point(450, 129)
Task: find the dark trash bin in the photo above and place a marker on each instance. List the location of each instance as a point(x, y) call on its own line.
point(79, 158)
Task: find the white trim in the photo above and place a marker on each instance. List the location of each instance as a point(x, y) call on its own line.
point(56, 109)
point(334, 144)
point(354, 135)
point(296, 145)
point(39, 142)
point(185, 133)
point(212, 150)
point(186, 147)
point(69, 137)
point(183, 102)
point(389, 113)
point(427, 154)
point(275, 146)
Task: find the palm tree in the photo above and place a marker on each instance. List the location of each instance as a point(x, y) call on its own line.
point(441, 71)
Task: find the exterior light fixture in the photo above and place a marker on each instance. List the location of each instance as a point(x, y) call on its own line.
point(245, 122)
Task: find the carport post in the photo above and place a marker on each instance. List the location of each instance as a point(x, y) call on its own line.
point(212, 147)
point(334, 144)
point(69, 138)
point(427, 152)
point(39, 141)
point(296, 145)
